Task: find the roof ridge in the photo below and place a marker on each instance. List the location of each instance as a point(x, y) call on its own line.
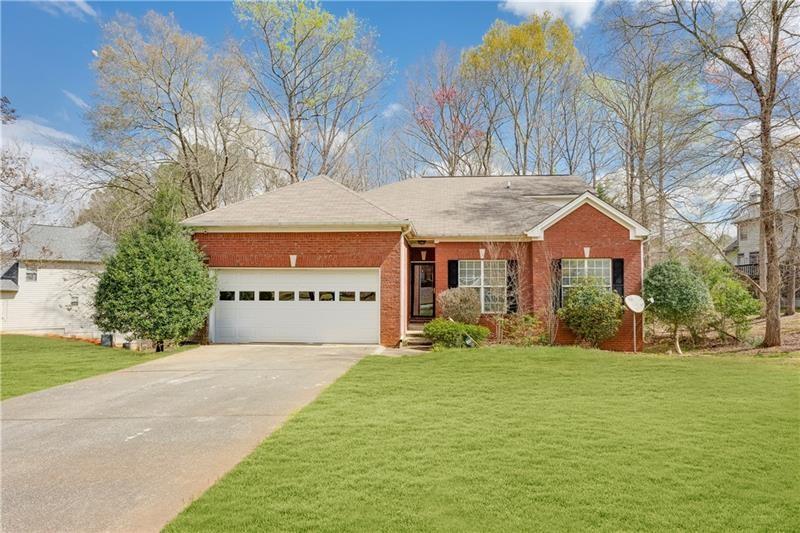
point(351, 191)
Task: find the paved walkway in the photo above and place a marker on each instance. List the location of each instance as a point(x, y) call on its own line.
point(129, 450)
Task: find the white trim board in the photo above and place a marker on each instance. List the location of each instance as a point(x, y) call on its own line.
point(637, 231)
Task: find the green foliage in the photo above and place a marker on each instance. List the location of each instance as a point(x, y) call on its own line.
point(520, 330)
point(445, 333)
point(592, 312)
point(734, 306)
point(462, 304)
point(679, 295)
point(156, 285)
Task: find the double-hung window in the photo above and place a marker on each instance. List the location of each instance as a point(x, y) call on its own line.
point(574, 271)
point(488, 278)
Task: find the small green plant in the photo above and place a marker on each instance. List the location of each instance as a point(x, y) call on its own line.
point(679, 296)
point(462, 304)
point(592, 312)
point(520, 330)
point(734, 306)
point(445, 333)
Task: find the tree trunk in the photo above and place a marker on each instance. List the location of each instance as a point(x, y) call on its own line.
point(662, 199)
point(676, 340)
point(159, 346)
point(772, 335)
point(792, 291)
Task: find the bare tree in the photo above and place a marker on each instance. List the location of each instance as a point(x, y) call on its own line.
point(314, 79)
point(164, 100)
point(749, 46)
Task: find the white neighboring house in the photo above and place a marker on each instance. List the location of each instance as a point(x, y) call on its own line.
point(49, 288)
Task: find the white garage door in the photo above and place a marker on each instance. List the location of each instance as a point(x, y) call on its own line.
point(314, 305)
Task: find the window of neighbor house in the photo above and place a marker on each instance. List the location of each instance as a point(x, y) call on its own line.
point(742, 235)
point(753, 258)
point(31, 274)
point(739, 259)
point(488, 278)
point(73, 301)
point(573, 271)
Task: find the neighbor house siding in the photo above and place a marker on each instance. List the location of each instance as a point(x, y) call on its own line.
point(586, 227)
point(44, 306)
point(318, 250)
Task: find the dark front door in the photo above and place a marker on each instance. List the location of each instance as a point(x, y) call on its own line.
point(422, 290)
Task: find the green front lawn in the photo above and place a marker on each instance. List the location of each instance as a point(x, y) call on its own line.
point(527, 439)
point(28, 364)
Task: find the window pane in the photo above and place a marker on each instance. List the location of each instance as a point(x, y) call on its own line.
point(306, 296)
point(227, 296)
point(494, 273)
point(494, 300)
point(327, 296)
point(347, 296)
point(469, 273)
point(247, 296)
point(266, 296)
point(575, 270)
point(31, 276)
point(366, 296)
point(286, 296)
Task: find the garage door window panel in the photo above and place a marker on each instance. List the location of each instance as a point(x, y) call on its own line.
point(306, 296)
point(247, 296)
point(266, 296)
point(366, 296)
point(347, 296)
point(286, 296)
point(327, 296)
point(227, 296)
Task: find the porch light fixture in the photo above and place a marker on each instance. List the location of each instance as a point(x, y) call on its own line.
point(293, 260)
point(423, 254)
point(586, 251)
point(482, 251)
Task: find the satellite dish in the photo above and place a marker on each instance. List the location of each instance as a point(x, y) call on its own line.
point(635, 303)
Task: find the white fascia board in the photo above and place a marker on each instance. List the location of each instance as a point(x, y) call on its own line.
point(637, 231)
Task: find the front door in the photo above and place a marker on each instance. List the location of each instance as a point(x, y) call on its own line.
point(422, 290)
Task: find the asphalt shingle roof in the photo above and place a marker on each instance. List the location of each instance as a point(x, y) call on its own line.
point(85, 243)
point(318, 201)
point(476, 206)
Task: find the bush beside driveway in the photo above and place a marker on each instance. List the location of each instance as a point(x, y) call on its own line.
point(527, 439)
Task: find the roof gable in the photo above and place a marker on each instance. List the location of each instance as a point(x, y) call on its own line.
point(637, 231)
point(316, 202)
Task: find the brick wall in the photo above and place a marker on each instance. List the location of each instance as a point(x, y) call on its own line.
point(588, 227)
point(317, 250)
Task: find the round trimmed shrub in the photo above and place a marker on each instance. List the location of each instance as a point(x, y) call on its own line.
point(679, 296)
point(591, 312)
point(462, 304)
point(445, 333)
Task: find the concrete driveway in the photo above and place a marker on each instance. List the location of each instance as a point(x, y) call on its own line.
point(127, 451)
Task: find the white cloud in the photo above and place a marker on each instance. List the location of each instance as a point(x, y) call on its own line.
point(95, 53)
point(43, 144)
point(75, 99)
point(392, 110)
point(77, 9)
point(576, 12)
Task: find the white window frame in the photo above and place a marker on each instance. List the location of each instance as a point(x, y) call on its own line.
point(583, 264)
point(482, 283)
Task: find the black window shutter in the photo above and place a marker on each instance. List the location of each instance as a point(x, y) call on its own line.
point(555, 271)
point(452, 273)
point(512, 286)
point(618, 276)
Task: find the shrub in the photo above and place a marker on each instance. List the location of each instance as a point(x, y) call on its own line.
point(520, 330)
point(734, 306)
point(462, 304)
point(679, 296)
point(445, 333)
point(156, 285)
point(592, 312)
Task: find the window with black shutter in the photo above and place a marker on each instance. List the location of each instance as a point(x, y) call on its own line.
point(618, 276)
point(512, 286)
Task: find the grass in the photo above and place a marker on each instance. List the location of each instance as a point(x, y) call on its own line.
point(28, 364)
point(527, 439)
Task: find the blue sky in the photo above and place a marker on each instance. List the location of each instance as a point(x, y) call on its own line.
point(47, 47)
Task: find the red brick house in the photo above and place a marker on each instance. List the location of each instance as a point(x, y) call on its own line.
point(317, 262)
